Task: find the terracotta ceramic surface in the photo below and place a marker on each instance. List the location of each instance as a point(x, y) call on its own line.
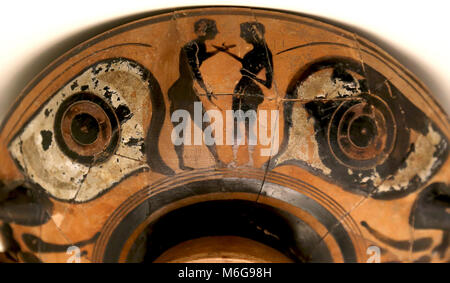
point(131, 147)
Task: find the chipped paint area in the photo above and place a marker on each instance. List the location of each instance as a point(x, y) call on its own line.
point(136, 93)
point(122, 85)
point(50, 168)
point(321, 86)
point(420, 163)
point(302, 143)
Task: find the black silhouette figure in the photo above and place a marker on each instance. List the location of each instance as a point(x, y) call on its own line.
point(182, 94)
point(248, 95)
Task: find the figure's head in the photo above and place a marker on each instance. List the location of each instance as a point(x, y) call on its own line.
point(252, 32)
point(205, 28)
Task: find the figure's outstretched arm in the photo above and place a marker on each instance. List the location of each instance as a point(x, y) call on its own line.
point(224, 48)
point(234, 56)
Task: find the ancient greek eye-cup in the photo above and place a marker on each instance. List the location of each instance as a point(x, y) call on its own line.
point(225, 134)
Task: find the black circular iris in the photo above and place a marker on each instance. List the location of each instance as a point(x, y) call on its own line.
point(84, 129)
point(362, 131)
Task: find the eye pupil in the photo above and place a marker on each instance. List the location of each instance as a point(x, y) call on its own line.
point(84, 129)
point(362, 131)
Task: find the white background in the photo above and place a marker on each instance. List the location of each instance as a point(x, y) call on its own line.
point(34, 33)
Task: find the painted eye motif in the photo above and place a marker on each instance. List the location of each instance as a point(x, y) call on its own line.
point(89, 134)
point(225, 135)
point(367, 135)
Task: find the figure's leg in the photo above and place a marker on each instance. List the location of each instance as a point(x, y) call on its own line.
point(251, 107)
point(212, 147)
point(236, 133)
point(250, 146)
point(235, 145)
point(179, 149)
